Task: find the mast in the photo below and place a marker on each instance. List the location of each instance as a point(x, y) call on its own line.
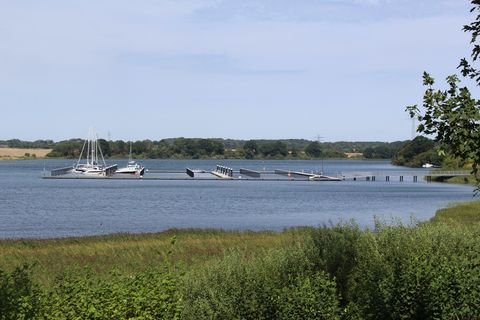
point(88, 149)
point(130, 154)
point(81, 153)
point(99, 150)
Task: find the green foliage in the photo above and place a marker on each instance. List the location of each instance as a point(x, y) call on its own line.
point(16, 143)
point(308, 297)
point(465, 214)
point(151, 294)
point(80, 294)
point(453, 115)
point(379, 152)
point(67, 149)
point(193, 148)
point(427, 272)
point(274, 149)
point(281, 284)
point(105, 147)
point(19, 297)
point(314, 150)
point(251, 149)
point(335, 252)
point(416, 152)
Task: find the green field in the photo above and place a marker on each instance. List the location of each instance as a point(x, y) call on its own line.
point(425, 271)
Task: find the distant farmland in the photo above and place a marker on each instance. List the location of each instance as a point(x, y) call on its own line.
point(18, 153)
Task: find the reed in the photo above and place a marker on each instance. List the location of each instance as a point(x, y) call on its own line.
point(131, 253)
point(466, 214)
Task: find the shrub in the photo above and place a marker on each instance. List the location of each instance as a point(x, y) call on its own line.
point(335, 252)
point(279, 285)
point(148, 295)
point(19, 297)
point(426, 272)
point(308, 297)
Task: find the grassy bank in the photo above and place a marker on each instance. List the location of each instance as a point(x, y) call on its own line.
point(464, 214)
point(426, 271)
point(131, 253)
point(456, 180)
point(137, 252)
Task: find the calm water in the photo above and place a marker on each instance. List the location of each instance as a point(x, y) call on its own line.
point(31, 207)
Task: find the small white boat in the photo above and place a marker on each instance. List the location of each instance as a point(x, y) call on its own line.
point(429, 165)
point(132, 167)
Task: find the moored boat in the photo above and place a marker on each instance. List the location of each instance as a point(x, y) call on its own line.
point(132, 166)
point(94, 162)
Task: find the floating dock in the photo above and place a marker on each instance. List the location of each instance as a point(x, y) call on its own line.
point(309, 176)
point(244, 174)
point(220, 173)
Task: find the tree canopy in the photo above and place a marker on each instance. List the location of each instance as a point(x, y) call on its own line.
point(417, 152)
point(452, 116)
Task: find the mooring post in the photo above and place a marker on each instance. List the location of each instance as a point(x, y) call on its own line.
point(401, 178)
point(387, 178)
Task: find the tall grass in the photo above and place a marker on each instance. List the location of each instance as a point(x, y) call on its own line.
point(131, 253)
point(464, 214)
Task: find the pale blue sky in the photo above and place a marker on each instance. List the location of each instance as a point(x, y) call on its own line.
point(242, 69)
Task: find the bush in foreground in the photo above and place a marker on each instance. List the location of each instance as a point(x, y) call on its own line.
point(20, 298)
point(282, 284)
point(427, 272)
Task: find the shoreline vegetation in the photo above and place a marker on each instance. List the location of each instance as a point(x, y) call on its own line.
point(409, 153)
point(425, 270)
point(215, 148)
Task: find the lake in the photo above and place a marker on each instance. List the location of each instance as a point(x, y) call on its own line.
point(32, 207)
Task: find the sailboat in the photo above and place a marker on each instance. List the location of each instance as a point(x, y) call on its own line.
point(94, 163)
point(132, 167)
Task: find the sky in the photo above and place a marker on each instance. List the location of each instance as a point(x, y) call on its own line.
point(337, 70)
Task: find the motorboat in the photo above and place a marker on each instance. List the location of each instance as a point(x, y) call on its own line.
point(132, 167)
point(429, 165)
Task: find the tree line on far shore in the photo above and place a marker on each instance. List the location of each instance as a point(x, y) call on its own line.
point(197, 148)
point(408, 153)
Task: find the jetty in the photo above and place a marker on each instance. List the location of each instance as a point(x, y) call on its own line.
point(402, 176)
point(227, 173)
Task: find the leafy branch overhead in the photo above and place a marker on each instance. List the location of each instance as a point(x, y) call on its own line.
point(452, 116)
